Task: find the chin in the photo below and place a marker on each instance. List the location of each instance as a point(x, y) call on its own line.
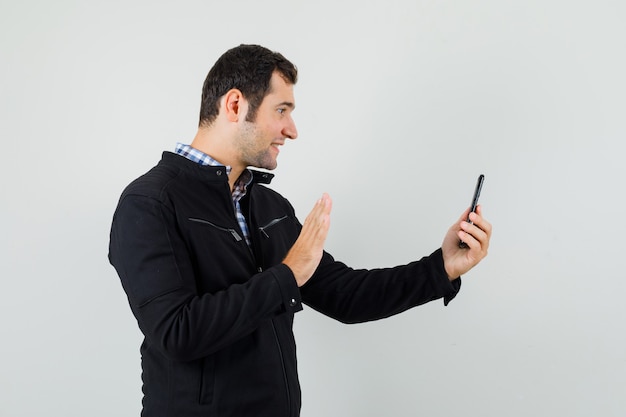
point(270, 165)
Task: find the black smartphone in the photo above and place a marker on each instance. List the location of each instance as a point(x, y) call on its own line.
point(479, 186)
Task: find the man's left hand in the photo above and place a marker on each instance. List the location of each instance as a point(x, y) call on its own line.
point(476, 235)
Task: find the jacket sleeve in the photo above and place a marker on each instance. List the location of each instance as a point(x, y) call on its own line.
point(354, 296)
point(157, 274)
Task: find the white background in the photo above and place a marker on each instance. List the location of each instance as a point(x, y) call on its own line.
point(401, 104)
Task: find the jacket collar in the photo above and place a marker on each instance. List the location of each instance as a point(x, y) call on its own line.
point(207, 172)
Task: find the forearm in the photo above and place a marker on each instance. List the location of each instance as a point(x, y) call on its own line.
point(353, 296)
point(187, 326)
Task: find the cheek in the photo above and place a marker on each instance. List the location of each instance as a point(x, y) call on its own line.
point(269, 132)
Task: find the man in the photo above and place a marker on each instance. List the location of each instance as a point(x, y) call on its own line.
point(215, 264)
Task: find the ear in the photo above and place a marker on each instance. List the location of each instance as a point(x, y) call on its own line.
point(234, 105)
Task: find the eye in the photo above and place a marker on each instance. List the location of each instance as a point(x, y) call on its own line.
point(282, 110)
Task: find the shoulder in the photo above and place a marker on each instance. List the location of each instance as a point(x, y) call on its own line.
point(155, 181)
point(264, 195)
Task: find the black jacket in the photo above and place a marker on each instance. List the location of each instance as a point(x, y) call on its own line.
point(217, 315)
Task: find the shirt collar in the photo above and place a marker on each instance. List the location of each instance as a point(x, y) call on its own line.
point(198, 156)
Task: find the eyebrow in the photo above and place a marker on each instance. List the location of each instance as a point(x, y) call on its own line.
point(289, 104)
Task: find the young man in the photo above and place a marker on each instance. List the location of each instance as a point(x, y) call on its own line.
point(215, 264)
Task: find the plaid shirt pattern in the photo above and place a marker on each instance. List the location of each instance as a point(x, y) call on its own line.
point(239, 190)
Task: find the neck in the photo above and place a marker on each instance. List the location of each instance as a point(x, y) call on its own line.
point(216, 145)
point(233, 177)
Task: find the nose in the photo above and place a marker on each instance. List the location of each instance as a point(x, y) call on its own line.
point(290, 131)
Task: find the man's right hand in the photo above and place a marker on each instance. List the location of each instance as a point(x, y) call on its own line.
point(306, 253)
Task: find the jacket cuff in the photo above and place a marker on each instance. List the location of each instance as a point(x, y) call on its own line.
point(456, 287)
point(289, 290)
point(448, 288)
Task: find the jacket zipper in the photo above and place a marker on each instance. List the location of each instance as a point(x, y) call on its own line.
point(270, 224)
point(233, 232)
point(282, 362)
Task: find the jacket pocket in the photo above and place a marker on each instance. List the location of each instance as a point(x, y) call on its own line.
point(207, 380)
point(264, 229)
point(233, 232)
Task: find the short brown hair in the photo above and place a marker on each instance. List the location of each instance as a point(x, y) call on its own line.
point(248, 68)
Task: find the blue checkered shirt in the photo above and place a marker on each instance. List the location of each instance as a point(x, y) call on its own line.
point(239, 189)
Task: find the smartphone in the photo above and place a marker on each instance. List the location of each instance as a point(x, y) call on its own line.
point(479, 186)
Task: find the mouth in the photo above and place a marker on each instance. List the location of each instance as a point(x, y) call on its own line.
point(276, 146)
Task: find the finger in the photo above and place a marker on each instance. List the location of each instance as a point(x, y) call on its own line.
point(322, 231)
point(328, 203)
point(323, 204)
point(475, 232)
point(476, 238)
point(477, 213)
point(315, 212)
point(480, 221)
point(317, 224)
point(472, 243)
point(321, 226)
point(322, 207)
